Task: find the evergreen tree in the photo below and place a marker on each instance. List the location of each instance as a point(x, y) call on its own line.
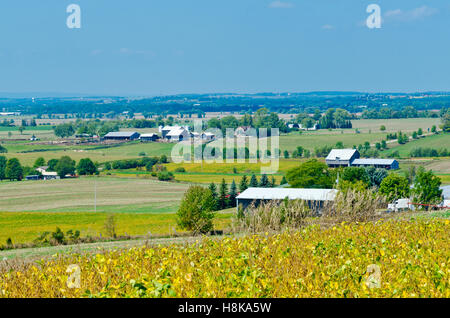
point(264, 182)
point(243, 185)
point(223, 200)
point(253, 181)
point(233, 194)
point(213, 188)
point(272, 182)
point(283, 181)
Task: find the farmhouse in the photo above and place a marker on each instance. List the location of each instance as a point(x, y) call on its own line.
point(245, 131)
point(50, 175)
point(388, 164)
point(351, 158)
point(122, 135)
point(167, 129)
point(341, 157)
point(314, 197)
point(42, 169)
point(149, 137)
point(207, 136)
point(178, 134)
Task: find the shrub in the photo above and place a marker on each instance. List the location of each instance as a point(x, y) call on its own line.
point(110, 226)
point(58, 236)
point(165, 176)
point(196, 210)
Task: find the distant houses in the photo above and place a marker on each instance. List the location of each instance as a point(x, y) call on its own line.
point(351, 158)
point(44, 174)
point(245, 131)
point(300, 127)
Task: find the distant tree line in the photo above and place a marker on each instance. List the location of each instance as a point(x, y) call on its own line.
point(12, 169)
point(429, 152)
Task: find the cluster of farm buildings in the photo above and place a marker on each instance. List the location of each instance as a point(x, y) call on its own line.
point(167, 133)
point(317, 198)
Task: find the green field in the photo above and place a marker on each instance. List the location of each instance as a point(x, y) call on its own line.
point(24, 227)
point(439, 141)
point(29, 208)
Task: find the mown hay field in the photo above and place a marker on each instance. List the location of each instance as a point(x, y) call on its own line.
point(394, 125)
point(383, 259)
point(78, 195)
point(312, 140)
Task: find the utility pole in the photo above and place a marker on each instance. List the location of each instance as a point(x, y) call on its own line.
point(95, 195)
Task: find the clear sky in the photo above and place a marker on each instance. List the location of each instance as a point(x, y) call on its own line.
point(153, 47)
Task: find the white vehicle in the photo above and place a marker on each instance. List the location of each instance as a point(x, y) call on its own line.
point(400, 205)
point(445, 204)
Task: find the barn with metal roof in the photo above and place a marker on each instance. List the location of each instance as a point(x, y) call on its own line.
point(122, 135)
point(389, 164)
point(315, 197)
point(341, 157)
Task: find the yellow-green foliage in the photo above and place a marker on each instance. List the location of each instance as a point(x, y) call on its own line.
point(227, 168)
point(24, 227)
point(413, 257)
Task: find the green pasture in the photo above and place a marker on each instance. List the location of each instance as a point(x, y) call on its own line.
point(24, 227)
point(442, 140)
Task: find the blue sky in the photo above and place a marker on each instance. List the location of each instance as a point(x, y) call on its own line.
point(153, 47)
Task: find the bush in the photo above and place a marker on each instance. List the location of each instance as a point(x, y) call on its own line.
point(196, 211)
point(110, 226)
point(58, 236)
point(165, 176)
point(180, 170)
